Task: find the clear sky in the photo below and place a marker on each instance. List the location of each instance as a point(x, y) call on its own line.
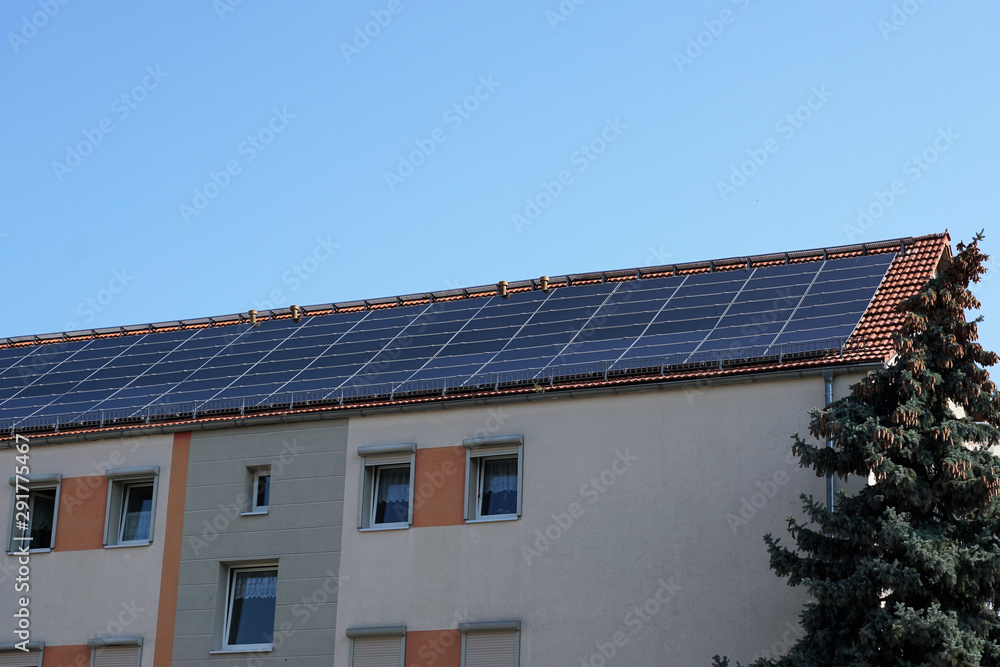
point(165, 161)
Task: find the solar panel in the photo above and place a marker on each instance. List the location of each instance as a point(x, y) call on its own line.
point(613, 325)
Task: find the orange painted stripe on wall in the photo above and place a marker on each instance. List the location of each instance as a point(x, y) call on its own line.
point(66, 656)
point(83, 502)
point(441, 648)
point(439, 487)
point(170, 573)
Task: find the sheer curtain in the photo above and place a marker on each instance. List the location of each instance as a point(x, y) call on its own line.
point(138, 511)
point(256, 585)
point(499, 486)
point(392, 498)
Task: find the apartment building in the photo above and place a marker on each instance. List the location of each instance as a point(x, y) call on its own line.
point(569, 470)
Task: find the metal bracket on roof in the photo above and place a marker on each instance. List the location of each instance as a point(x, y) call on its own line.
point(368, 306)
point(748, 265)
point(864, 248)
point(902, 248)
point(824, 254)
point(711, 266)
point(786, 258)
point(604, 277)
point(399, 302)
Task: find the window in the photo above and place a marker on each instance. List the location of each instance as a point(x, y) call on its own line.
point(258, 489)
point(386, 490)
point(12, 656)
point(131, 506)
point(115, 652)
point(377, 647)
point(36, 503)
point(490, 644)
point(493, 476)
point(251, 593)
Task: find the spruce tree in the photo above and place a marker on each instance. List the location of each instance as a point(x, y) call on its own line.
point(906, 569)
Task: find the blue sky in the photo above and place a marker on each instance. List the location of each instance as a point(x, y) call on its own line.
point(177, 160)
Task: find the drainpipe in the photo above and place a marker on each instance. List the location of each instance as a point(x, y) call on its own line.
point(828, 380)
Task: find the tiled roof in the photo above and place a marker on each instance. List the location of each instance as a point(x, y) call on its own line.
point(870, 342)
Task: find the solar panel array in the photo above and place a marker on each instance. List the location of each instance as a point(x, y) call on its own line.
point(614, 327)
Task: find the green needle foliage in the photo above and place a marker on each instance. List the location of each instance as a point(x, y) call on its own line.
point(906, 571)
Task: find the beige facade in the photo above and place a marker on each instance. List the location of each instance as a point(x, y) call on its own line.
point(639, 541)
point(83, 591)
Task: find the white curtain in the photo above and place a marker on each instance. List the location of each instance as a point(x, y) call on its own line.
point(256, 585)
point(500, 475)
point(394, 485)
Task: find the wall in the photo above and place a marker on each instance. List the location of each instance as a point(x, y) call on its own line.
point(81, 590)
point(301, 530)
point(640, 538)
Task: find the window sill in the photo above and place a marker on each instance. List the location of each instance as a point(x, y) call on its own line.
point(492, 519)
point(255, 513)
point(249, 648)
point(390, 526)
point(128, 544)
point(30, 551)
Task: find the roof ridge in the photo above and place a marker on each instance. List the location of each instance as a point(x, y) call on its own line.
point(567, 280)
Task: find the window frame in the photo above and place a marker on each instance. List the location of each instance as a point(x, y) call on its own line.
point(378, 633)
point(120, 482)
point(34, 483)
point(374, 459)
point(254, 475)
point(478, 450)
point(493, 627)
point(231, 571)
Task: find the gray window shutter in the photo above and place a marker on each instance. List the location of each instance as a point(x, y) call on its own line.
point(20, 659)
point(491, 649)
point(116, 656)
point(378, 652)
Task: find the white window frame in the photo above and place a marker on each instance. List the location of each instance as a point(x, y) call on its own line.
point(34, 483)
point(376, 458)
point(254, 475)
point(101, 643)
point(378, 633)
point(120, 481)
point(230, 590)
point(478, 450)
point(493, 626)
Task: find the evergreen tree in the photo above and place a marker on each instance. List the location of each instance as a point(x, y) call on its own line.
point(906, 570)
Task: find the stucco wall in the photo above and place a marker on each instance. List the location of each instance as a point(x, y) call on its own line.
point(95, 592)
point(660, 527)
